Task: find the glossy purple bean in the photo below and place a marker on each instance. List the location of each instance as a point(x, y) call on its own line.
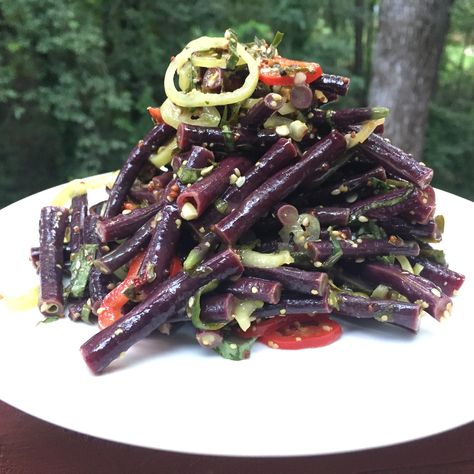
point(331, 83)
point(217, 307)
point(124, 225)
point(162, 246)
point(104, 347)
point(78, 213)
point(213, 80)
point(128, 249)
point(330, 215)
point(396, 161)
point(255, 289)
point(53, 222)
point(203, 193)
point(346, 186)
point(277, 188)
point(294, 304)
point(262, 110)
point(383, 206)
point(196, 158)
point(320, 251)
point(400, 313)
point(294, 279)
point(142, 193)
point(416, 288)
point(214, 137)
point(448, 280)
point(402, 228)
point(281, 154)
point(132, 166)
point(422, 206)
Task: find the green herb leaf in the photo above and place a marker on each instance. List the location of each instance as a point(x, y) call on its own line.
point(235, 348)
point(277, 39)
point(193, 308)
point(81, 264)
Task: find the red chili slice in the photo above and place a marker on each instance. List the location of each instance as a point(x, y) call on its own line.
point(280, 71)
point(303, 331)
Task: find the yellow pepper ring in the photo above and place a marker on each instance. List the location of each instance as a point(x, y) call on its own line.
point(197, 98)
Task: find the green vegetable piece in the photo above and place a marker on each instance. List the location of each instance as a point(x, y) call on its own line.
point(188, 175)
point(235, 348)
point(48, 319)
point(193, 308)
point(250, 258)
point(234, 55)
point(277, 39)
point(81, 264)
point(336, 253)
point(243, 310)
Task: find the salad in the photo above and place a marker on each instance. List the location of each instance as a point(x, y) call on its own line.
point(251, 211)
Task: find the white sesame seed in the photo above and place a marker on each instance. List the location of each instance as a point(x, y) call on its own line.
point(233, 346)
point(233, 179)
point(305, 222)
point(384, 318)
point(237, 171)
point(351, 198)
point(336, 192)
point(282, 130)
point(436, 292)
point(314, 292)
point(191, 301)
point(363, 219)
point(118, 331)
point(283, 311)
point(326, 328)
point(126, 211)
point(254, 289)
point(240, 181)
point(360, 260)
point(318, 264)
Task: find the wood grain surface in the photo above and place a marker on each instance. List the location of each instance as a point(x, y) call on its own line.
point(29, 445)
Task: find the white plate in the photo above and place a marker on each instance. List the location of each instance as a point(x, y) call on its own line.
point(376, 386)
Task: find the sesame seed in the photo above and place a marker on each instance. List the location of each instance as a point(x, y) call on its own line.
point(191, 301)
point(363, 219)
point(305, 222)
point(384, 318)
point(298, 339)
point(240, 181)
point(318, 264)
point(314, 292)
point(335, 192)
point(436, 292)
point(100, 310)
point(283, 311)
point(351, 198)
point(326, 328)
point(126, 211)
point(343, 188)
point(233, 346)
point(237, 171)
point(446, 313)
point(254, 289)
point(360, 260)
point(233, 179)
point(207, 244)
point(118, 331)
point(202, 230)
point(110, 286)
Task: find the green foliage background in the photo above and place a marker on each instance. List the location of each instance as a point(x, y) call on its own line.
point(76, 77)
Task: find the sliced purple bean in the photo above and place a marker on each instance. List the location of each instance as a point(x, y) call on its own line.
point(347, 185)
point(53, 222)
point(281, 154)
point(196, 158)
point(216, 308)
point(400, 313)
point(331, 83)
point(396, 161)
point(301, 96)
point(99, 283)
point(294, 279)
point(277, 188)
point(422, 206)
point(124, 225)
point(209, 339)
point(416, 288)
point(331, 215)
point(448, 280)
point(101, 349)
point(132, 166)
point(200, 195)
point(255, 289)
point(142, 193)
point(35, 255)
point(320, 251)
point(128, 249)
point(383, 206)
point(345, 117)
point(162, 247)
point(294, 304)
point(397, 226)
point(215, 138)
point(78, 213)
point(262, 110)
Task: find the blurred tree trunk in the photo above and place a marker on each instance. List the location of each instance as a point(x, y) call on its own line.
point(359, 18)
point(405, 66)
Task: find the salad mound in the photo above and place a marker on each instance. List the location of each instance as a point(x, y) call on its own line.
point(253, 210)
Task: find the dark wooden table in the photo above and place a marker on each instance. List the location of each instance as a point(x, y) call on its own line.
point(29, 445)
